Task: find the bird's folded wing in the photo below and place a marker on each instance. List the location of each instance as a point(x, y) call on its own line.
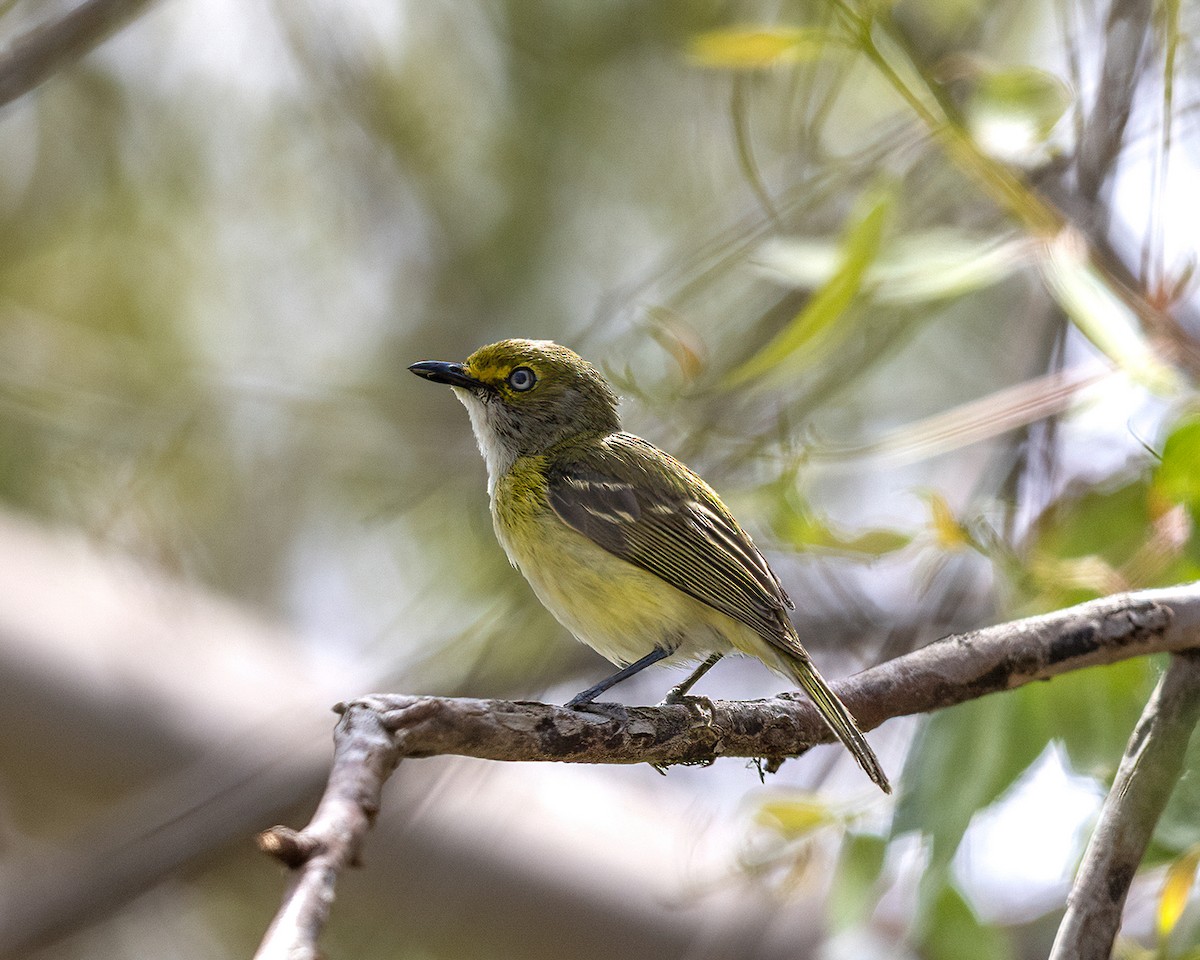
point(640, 504)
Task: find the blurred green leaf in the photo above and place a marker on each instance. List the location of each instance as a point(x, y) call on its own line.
point(1012, 111)
point(1029, 91)
point(852, 896)
point(920, 267)
point(955, 933)
point(755, 48)
point(1178, 475)
point(1106, 540)
point(859, 248)
point(873, 543)
point(1092, 712)
point(962, 759)
point(1100, 314)
point(1108, 523)
point(808, 531)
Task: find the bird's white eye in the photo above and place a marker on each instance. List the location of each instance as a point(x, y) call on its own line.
point(522, 379)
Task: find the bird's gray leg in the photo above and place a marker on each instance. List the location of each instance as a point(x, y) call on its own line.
point(591, 693)
point(679, 691)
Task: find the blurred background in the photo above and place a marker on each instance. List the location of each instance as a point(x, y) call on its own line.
point(910, 283)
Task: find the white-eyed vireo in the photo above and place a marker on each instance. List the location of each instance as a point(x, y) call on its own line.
point(630, 550)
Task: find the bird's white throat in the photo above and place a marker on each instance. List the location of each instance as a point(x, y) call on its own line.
point(498, 457)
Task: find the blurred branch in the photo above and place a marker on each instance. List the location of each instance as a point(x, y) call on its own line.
point(945, 673)
point(1147, 775)
point(34, 57)
point(185, 738)
point(1125, 35)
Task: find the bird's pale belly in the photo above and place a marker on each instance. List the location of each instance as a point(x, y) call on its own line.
point(618, 609)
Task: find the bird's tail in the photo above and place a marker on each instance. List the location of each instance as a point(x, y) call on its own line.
point(840, 720)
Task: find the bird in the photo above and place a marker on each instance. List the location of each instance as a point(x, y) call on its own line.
point(626, 547)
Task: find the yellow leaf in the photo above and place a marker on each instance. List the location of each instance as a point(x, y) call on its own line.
point(948, 533)
point(753, 48)
point(796, 816)
point(1177, 887)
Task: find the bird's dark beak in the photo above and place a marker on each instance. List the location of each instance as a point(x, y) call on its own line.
point(441, 372)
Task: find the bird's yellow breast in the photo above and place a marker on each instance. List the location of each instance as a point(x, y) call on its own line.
point(617, 608)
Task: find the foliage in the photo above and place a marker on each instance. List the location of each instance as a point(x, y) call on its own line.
point(857, 218)
point(1135, 528)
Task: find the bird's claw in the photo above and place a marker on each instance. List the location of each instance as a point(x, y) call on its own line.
point(680, 698)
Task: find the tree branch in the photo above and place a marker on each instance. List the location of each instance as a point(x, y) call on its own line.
point(37, 55)
point(364, 757)
point(1148, 773)
point(1125, 34)
point(376, 732)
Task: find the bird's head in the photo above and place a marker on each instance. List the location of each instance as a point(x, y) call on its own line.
point(526, 396)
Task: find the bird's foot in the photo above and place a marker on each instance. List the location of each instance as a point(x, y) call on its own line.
point(586, 704)
point(681, 698)
point(675, 696)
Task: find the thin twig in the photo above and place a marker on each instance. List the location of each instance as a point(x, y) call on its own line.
point(948, 672)
point(1147, 775)
point(35, 57)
